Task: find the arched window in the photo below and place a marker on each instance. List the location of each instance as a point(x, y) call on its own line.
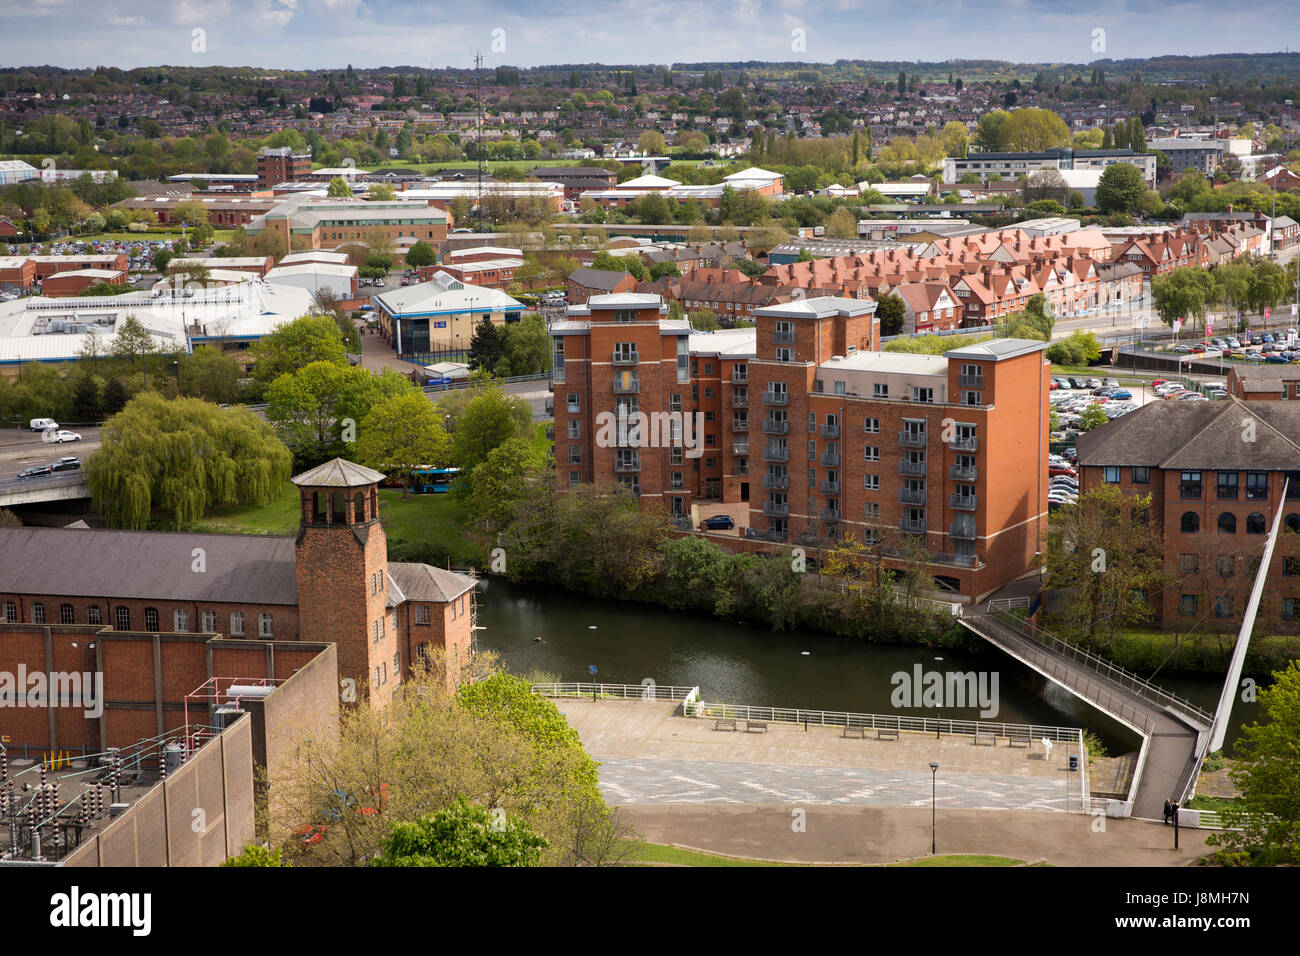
point(122, 618)
point(1255, 524)
point(1227, 523)
point(320, 504)
point(339, 507)
point(1191, 522)
point(11, 612)
point(359, 507)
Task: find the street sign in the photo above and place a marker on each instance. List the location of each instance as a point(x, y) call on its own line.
point(592, 669)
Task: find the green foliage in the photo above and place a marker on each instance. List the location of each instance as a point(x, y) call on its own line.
point(295, 345)
point(182, 457)
point(402, 432)
point(505, 475)
point(1183, 293)
point(933, 344)
point(1079, 349)
point(1092, 417)
point(487, 346)
point(310, 407)
point(420, 254)
point(257, 855)
point(463, 835)
point(488, 418)
point(210, 374)
point(890, 310)
point(1120, 188)
point(339, 188)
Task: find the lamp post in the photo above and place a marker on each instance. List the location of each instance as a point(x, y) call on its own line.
point(934, 775)
point(592, 628)
point(805, 655)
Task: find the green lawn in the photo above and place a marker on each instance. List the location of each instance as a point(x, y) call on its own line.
point(434, 523)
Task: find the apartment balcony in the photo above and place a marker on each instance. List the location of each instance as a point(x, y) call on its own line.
point(775, 398)
point(910, 497)
point(740, 401)
point(776, 510)
point(627, 466)
point(627, 358)
point(776, 482)
point(831, 459)
point(573, 408)
point(783, 338)
point(970, 381)
point(912, 439)
point(963, 502)
point(740, 448)
point(774, 427)
point(829, 431)
point(829, 514)
point(740, 468)
point(739, 377)
point(830, 487)
point(753, 534)
point(912, 525)
point(627, 388)
point(776, 454)
point(740, 424)
point(963, 474)
point(965, 444)
point(916, 468)
point(964, 530)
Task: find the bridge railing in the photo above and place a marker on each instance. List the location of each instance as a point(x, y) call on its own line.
point(1112, 672)
point(49, 481)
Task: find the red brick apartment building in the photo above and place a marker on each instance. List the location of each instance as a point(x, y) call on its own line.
point(281, 165)
point(826, 438)
point(1214, 496)
point(332, 584)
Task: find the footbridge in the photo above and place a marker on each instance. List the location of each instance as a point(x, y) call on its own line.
point(1175, 733)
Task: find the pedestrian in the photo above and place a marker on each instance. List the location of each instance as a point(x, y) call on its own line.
point(1169, 811)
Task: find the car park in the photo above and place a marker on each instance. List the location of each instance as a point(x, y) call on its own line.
point(1111, 382)
point(1094, 383)
point(1192, 397)
point(1054, 470)
point(1121, 394)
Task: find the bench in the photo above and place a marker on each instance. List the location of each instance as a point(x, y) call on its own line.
point(883, 733)
point(859, 732)
point(756, 726)
point(1018, 738)
point(722, 724)
point(984, 737)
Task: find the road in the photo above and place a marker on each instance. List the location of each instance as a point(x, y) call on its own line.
point(20, 449)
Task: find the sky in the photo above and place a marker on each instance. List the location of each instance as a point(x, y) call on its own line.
point(329, 34)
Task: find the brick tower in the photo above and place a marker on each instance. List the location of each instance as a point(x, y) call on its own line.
point(343, 592)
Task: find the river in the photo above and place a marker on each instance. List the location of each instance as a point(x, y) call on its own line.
point(749, 664)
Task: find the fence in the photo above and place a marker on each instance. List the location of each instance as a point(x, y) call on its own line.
point(647, 691)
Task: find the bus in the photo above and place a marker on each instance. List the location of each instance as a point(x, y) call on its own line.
point(431, 481)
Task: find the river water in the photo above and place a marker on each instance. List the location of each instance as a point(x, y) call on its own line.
point(749, 664)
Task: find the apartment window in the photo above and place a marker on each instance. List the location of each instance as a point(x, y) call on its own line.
point(785, 355)
point(180, 621)
point(374, 582)
point(1226, 565)
point(376, 677)
point(67, 614)
point(708, 368)
point(675, 402)
point(1141, 476)
point(1110, 474)
point(1227, 484)
point(1187, 604)
point(1190, 523)
point(880, 390)
point(1223, 606)
point(1288, 609)
point(624, 315)
point(971, 398)
point(920, 394)
point(574, 403)
point(812, 477)
point(94, 615)
point(872, 509)
point(812, 449)
point(575, 479)
point(1291, 566)
point(840, 387)
point(575, 428)
point(38, 613)
point(557, 358)
point(264, 624)
point(421, 614)
point(1257, 484)
point(151, 619)
point(812, 422)
point(209, 621)
point(871, 426)
point(1189, 484)
point(1255, 523)
point(709, 415)
point(1227, 524)
point(871, 453)
point(871, 482)
point(122, 618)
point(1188, 563)
point(683, 359)
point(678, 481)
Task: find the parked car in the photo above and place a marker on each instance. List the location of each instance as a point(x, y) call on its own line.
point(1111, 382)
point(1054, 470)
point(718, 523)
point(1121, 394)
point(1070, 454)
point(1094, 383)
point(1192, 397)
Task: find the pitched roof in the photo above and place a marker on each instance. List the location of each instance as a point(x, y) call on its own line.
point(1198, 435)
point(422, 582)
point(241, 568)
point(606, 279)
point(339, 473)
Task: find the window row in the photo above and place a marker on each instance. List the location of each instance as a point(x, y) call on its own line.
point(180, 620)
point(1256, 523)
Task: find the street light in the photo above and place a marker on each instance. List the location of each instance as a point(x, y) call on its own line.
point(805, 655)
point(592, 628)
point(934, 775)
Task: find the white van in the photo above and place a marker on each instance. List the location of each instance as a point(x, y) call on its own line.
point(43, 424)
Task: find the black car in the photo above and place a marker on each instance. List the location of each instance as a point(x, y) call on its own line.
point(718, 523)
point(36, 471)
point(66, 464)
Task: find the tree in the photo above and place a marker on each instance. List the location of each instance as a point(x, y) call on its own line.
point(420, 254)
point(890, 310)
point(462, 835)
point(311, 407)
point(256, 855)
point(502, 479)
point(133, 341)
point(1266, 769)
point(487, 346)
point(1183, 293)
point(703, 320)
point(842, 224)
point(403, 432)
point(182, 457)
point(527, 348)
point(1046, 184)
point(1079, 349)
point(1032, 130)
point(210, 374)
point(1104, 556)
point(487, 420)
point(161, 257)
point(651, 143)
point(988, 132)
point(1092, 417)
point(1120, 188)
point(295, 345)
point(339, 188)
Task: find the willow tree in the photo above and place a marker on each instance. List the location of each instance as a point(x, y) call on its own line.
point(182, 457)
